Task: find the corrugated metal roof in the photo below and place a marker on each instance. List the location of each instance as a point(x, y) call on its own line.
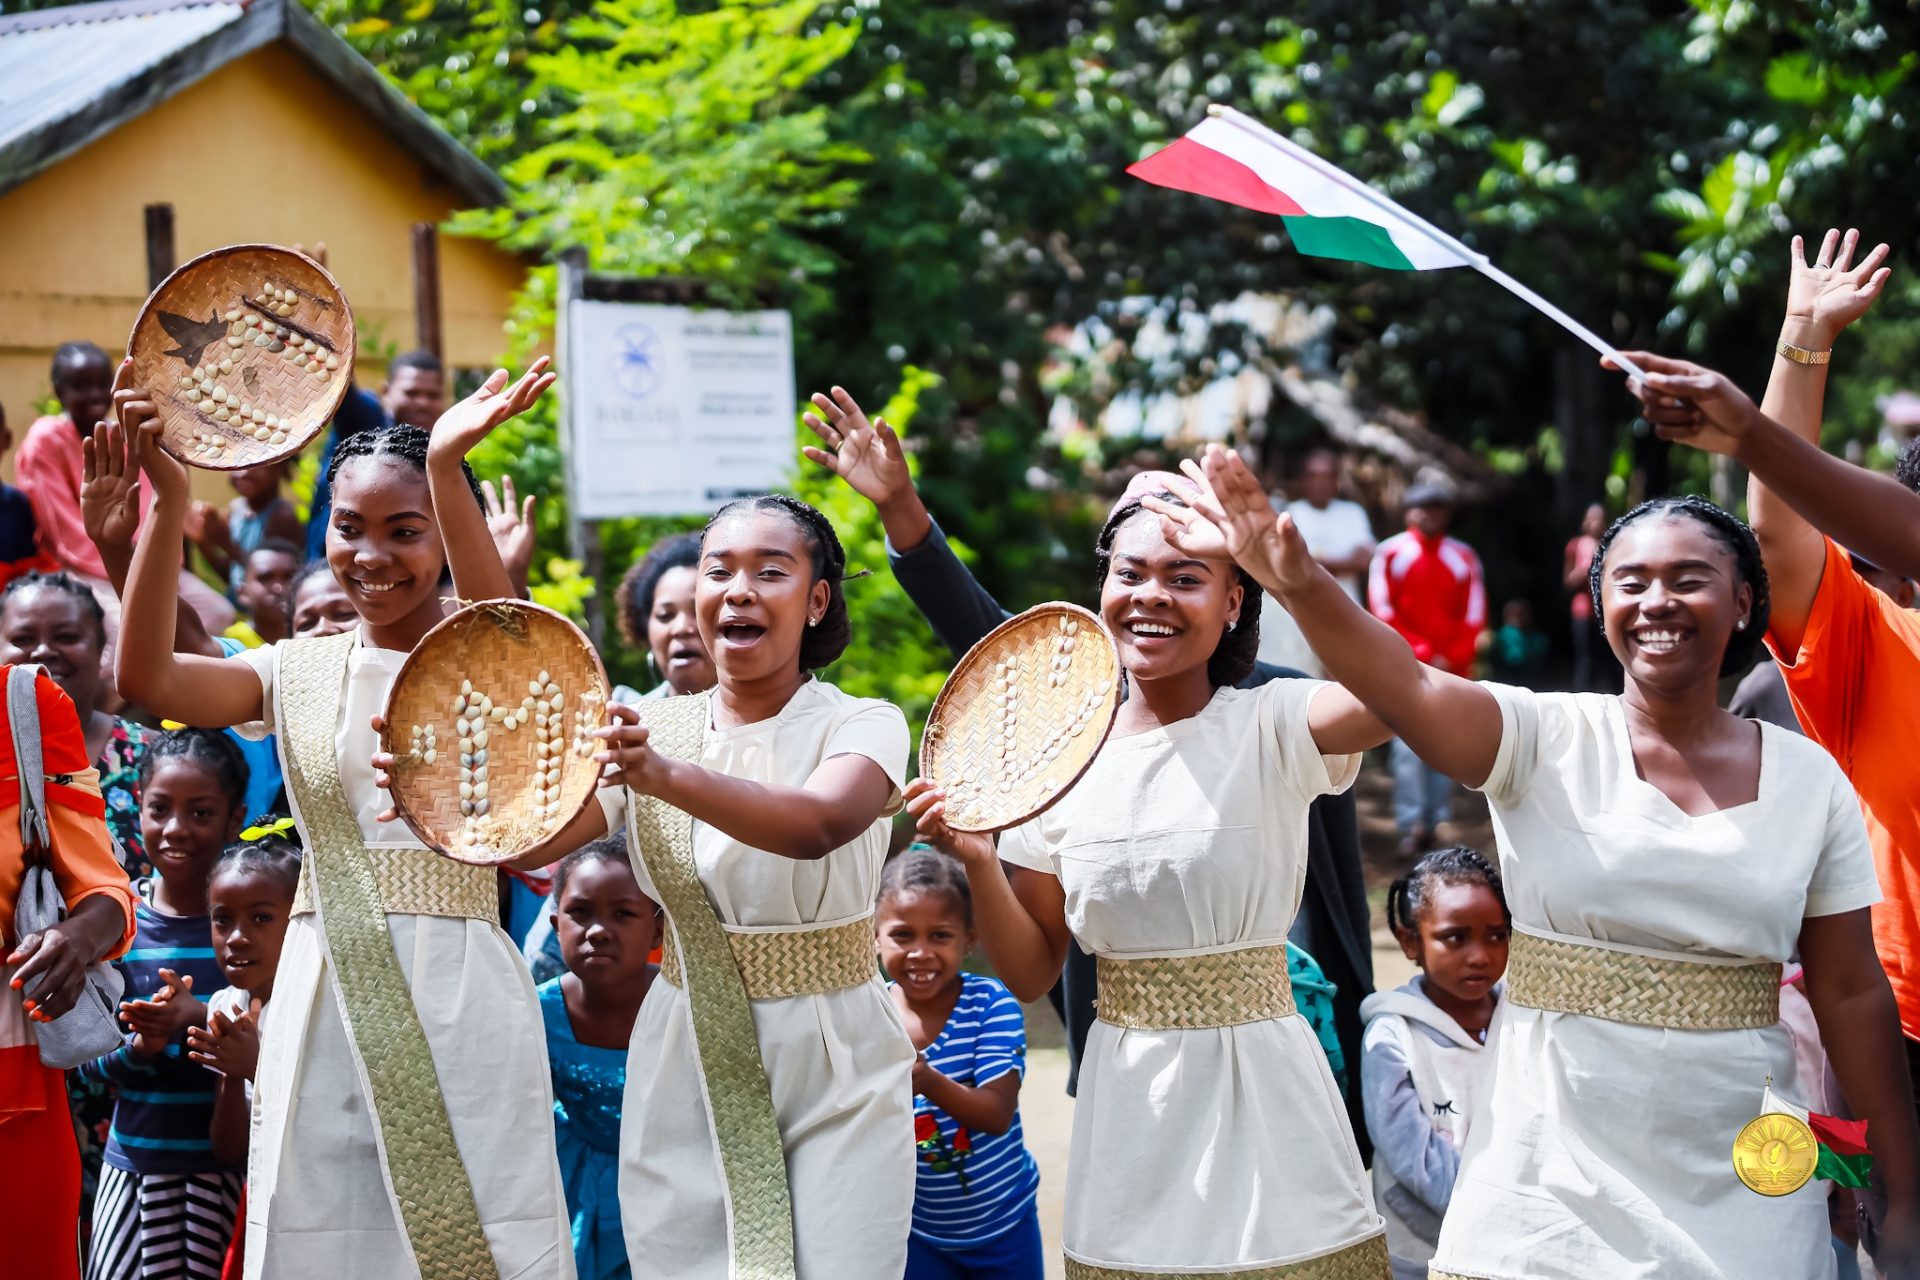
point(50, 70)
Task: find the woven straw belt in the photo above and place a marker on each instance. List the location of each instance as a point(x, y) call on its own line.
point(794, 962)
point(1364, 1261)
point(1183, 993)
point(419, 882)
point(1644, 990)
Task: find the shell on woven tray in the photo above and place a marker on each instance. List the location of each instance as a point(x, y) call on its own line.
point(490, 725)
point(1021, 717)
point(247, 352)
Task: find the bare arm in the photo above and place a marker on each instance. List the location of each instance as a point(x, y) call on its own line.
point(190, 688)
point(1860, 1029)
point(478, 571)
point(986, 1108)
point(1020, 915)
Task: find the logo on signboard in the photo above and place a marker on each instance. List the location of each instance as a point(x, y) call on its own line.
point(639, 359)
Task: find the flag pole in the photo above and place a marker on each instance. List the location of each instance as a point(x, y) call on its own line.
point(1479, 261)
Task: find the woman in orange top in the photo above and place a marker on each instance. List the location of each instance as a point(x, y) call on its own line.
point(40, 1178)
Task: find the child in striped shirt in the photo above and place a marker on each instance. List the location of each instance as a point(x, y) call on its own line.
point(166, 1202)
point(973, 1208)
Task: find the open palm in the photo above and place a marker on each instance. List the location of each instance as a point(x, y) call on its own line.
point(468, 423)
point(109, 488)
point(867, 455)
point(1830, 291)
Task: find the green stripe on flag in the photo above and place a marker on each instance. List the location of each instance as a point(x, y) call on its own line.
point(1848, 1171)
point(1351, 239)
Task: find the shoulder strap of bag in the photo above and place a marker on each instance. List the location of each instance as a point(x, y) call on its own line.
point(23, 715)
point(739, 1100)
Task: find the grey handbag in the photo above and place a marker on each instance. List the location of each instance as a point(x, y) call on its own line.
point(89, 1029)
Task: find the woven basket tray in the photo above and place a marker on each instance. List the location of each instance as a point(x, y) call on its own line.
point(1021, 717)
point(247, 351)
point(483, 796)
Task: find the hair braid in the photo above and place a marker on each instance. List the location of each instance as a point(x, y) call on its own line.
point(827, 639)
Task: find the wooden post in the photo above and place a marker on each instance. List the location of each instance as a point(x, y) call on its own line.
point(426, 289)
point(160, 258)
point(583, 536)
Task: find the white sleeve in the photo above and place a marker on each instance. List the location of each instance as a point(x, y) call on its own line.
point(878, 731)
point(1026, 846)
point(1843, 877)
point(1285, 705)
point(1528, 725)
point(265, 662)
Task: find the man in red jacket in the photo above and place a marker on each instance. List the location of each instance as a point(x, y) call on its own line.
point(1428, 587)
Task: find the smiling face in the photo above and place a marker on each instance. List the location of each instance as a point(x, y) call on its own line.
point(186, 819)
point(321, 607)
point(250, 910)
point(1462, 942)
point(924, 939)
point(673, 633)
point(756, 595)
point(84, 387)
point(1670, 598)
point(1168, 610)
point(415, 396)
point(382, 542)
point(605, 925)
point(47, 625)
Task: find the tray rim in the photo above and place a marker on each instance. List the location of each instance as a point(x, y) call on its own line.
point(339, 395)
point(461, 614)
point(1079, 613)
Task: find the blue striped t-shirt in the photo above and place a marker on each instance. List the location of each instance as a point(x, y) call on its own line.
point(972, 1187)
point(163, 1119)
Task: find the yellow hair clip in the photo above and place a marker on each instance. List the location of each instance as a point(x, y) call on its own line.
point(281, 827)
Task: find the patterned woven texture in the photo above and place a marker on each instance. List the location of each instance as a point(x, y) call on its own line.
point(1647, 991)
point(414, 882)
point(247, 352)
point(429, 1184)
point(1178, 993)
point(794, 962)
point(1364, 1261)
point(1021, 717)
point(740, 1104)
point(490, 723)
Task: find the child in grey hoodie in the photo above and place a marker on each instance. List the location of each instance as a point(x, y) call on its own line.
point(1424, 1062)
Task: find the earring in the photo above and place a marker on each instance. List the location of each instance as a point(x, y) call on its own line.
point(653, 668)
point(1740, 625)
point(814, 622)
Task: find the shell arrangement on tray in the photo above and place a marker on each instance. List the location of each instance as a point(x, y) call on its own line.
point(247, 352)
point(1021, 717)
point(491, 723)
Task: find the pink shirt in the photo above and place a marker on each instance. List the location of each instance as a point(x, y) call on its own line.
point(48, 468)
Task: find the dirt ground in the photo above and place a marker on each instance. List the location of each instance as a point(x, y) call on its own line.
point(1046, 1111)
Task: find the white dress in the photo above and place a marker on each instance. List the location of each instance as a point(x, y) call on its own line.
point(318, 1205)
point(1220, 1149)
point(839, 1063)
point(1606, 1148)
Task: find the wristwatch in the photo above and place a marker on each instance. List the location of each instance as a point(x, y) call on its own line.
point(1801, 355)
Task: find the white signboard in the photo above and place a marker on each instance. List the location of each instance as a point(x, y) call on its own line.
point(673, 410)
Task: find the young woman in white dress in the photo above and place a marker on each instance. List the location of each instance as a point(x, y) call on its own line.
point(1209, 1136)
point(789, 799)
point(1680, 853)
point(329, 1193)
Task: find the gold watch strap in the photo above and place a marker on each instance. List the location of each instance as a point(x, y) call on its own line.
point(1802, 355)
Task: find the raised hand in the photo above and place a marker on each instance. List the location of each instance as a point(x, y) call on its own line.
point(230, 1046)
point(928, 805)
point(866, 455)
point(1234, 508)
point(1831, 293)
point(140, 419)
point(1691, 404)
point(468, 423)
point(206, 525)
point(109, 488)
point(511, 524)
point(157, 1020)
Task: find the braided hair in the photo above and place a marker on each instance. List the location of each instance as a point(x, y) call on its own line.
point(1234, 657)
point(1907, 469)
point(611, 850)
point(925, 870)
point(399, 441)
point(272, 855)
point(68, 585)
point(1743, 646)
point(211, 749)
point(681, 551)
point(1407, 896)
point(827, 640)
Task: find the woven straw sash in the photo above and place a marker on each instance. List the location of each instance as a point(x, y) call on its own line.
point(1364, 1261)
point(419, 882)
point(1181, 993)
point(1645, 990)
point(753, 1161)
point(429, 1184)
point(794, 962)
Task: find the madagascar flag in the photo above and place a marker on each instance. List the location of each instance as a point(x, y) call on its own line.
point(1844, 1157)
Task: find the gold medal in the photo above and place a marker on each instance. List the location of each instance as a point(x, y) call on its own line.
point(1775, 1154)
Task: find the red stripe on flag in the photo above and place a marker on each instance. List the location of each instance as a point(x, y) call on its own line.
point(1185, 165)
point(1847, 1137)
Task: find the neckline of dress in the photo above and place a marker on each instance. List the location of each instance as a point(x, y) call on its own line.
point(736, 730)
point(1174, 730)
point(1624, 747)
